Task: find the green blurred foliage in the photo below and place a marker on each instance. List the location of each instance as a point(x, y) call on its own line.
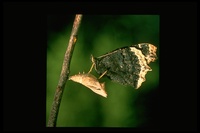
point(99, 34)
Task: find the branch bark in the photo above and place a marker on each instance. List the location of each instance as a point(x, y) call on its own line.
point(65, 72)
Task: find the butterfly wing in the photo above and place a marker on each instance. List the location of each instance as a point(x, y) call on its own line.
point(127, 65)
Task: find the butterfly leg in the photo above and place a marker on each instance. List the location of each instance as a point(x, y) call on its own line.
point(93, 63)
point(91, 68)
point(103, 74)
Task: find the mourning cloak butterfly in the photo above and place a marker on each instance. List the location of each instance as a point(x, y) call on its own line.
point(127, 65)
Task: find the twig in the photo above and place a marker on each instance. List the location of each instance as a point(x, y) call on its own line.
point(64, 73)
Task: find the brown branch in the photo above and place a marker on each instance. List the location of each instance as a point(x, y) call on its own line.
point(64, 73)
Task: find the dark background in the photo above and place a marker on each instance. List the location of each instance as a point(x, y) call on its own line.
point(30, 35)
